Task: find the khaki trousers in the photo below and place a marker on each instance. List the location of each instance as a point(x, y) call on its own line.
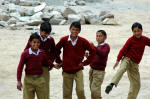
point(68, 80)
point(133, 75)
point(46, 76)
point(34, 85)
point(96, 78)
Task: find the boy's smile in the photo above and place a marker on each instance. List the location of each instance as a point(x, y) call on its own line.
point(35, 44)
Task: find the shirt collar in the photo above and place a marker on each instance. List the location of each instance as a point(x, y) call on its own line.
point(101, 44)
point(44, 39)
point(73, 42)
point(31, 52)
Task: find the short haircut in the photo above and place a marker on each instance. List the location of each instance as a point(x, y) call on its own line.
point(34, 36)
point(76, 24)
point(103, 32)
point(46, 27)
point(136, 24)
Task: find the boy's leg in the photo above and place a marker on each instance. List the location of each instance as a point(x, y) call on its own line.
point(120, 71)
point(90, 77)
point(79, 85)
point(46, 76)
point(98, 77)
point(28, 89)
point(40, 88)
point(67, 85)
point(116, 78)
point(134, 77)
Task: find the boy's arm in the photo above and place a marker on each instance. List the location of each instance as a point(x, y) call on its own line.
point(28, 45)
point(20, 67)
point(103, 52)
point(148, 42)
point(19, 71)
point(124, 50)
point(92, 52)
point(59, 45)
point(48, 62)
point(52, 50)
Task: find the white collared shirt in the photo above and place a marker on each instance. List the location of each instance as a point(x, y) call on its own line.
point(73, 42)
point(101, 44)
point(31, 52)
point(44, 39)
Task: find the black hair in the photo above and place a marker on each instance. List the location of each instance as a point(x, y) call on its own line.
point(76, 24)
point(46, 27)
point(103, 32)
point(136, 24)
point(34, 36)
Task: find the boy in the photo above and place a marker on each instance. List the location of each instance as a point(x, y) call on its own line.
point(98, 65)
point(48, 45)
point(131, 55)
point(34, 58)
point(74, 48)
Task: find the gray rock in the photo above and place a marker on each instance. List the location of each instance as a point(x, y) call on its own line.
point(91, 18)
point(37, 16)
point(109, 21)
point(3, 24)
point(15, 15)
point(24, 19)
point(107, 16)
point(12, 21)
point(73, 17)
point(26, 11)
point(80, 2)
point(4, 16)
point(63, 22)
point(34, 22)
point(68, 11)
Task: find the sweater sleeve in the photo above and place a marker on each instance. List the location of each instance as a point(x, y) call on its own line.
point(124, 50)
point(92, 52)
point(103, 51)
point(52, 50)
point(148, 41)
point(59, 45)
point(47, 62)
point(20, 66)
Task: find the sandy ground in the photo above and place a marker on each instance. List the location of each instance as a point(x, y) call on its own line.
point(12, 44)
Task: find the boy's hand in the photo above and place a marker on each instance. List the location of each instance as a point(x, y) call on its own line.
point(58, 66)
point(116, 64)
point(81, 64)
point(19, 85)
point(91, 43)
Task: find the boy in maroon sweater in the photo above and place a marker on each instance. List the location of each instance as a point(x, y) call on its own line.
point(74, 48)
point(131, 55)
point(48, 45)
point(98, 65)
point(35, 59)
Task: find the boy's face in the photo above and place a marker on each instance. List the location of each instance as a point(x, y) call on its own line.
point(100, 37)
point(35, 44)
point(43, 34)
point(74, 31)
point(137, 32)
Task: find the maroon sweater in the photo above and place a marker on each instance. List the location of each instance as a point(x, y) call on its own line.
point(33, 63)
point(134, 48)
point(48, 46)
point(99, 61)
point(74, 55)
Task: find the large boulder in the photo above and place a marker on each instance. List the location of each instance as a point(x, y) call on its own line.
point(4, 16)
point(109, 21)
point(91, 18)
point(68, 11)
point(74, 17)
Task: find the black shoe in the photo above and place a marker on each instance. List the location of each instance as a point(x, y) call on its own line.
point(109, 88)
